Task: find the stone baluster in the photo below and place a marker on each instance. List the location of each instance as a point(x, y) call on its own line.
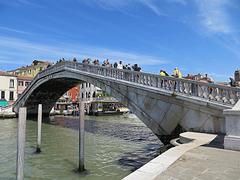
point(156, 81)
point(220, 95)
point(188, 88)
point(151, 80)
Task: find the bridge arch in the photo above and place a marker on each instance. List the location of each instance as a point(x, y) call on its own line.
point(49, 89)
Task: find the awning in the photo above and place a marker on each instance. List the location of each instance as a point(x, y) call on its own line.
point(3, 103)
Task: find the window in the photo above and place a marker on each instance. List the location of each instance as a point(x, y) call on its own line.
point(20, 83)
point(27, 83)
point(82, 95)
point(41, 68)
point(11, 96)
point(11, 83)
point(2, 94)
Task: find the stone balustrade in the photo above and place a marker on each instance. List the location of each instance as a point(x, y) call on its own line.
point(209, 91)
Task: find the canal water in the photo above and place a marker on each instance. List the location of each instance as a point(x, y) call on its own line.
point(115, 146)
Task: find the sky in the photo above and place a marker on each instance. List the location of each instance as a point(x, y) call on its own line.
point(197, 36)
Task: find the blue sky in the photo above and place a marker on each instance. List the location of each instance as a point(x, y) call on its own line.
point(194, 35)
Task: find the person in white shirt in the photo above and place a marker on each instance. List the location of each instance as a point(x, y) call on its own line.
point(120, 65)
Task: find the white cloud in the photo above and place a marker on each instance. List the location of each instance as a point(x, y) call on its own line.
point(29, 50)
point(152, 6)
point(14, 30)
point(124, 5)
point(183, 2)
point(213, 16)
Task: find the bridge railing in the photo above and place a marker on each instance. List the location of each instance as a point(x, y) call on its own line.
point(209, 91)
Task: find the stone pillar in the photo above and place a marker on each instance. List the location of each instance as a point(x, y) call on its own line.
point(232, 121)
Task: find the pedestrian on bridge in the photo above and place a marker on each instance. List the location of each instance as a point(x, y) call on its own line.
point(177, 73)
point(135, 67)
point(120, 65)
point(163, 74)
point(232, 82)
point(115, 65)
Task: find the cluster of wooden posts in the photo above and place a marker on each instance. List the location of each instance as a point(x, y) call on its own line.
point(22, 134)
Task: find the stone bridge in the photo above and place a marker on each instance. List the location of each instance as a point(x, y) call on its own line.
point(167, 105)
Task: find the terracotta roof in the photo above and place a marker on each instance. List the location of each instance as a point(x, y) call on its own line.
point(25, 77)
point(32, 66)
point(3, 73)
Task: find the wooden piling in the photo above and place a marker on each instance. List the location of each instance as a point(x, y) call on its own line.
point(21, 142)
point(39, 129)
point(81, 136)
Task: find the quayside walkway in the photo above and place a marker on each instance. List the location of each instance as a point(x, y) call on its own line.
point(204, 163)
point(197, 156)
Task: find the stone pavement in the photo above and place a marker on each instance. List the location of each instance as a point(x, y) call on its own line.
point(160, 164)
point(204, 163)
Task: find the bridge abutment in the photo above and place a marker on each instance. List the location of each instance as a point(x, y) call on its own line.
point(232, 118)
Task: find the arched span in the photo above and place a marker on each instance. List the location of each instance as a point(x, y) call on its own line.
point(49, 89)
point(162, 111)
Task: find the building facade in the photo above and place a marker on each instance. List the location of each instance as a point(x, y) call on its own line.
point(8, 88)
point(88, 90)
point(73, 94)
point(25, 74)
point(22, 83)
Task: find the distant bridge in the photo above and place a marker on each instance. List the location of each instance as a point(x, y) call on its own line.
point(166, 105)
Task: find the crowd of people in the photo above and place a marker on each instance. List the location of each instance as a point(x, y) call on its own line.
point(176, 72)
point(118, 65)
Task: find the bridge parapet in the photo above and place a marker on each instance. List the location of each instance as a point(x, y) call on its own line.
point(208, 91)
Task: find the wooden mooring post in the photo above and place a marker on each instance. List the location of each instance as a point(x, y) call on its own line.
point(21, 142)
point(81, 136)
point(39, 129)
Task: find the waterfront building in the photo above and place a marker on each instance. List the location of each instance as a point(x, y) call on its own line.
point(88, 90)
point(8, 88)
point(25, 74)
point(22, 83)
point(32, 70)
point(73, 94)
point(237, 77)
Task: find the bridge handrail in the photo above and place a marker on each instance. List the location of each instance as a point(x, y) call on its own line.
point(209, 91)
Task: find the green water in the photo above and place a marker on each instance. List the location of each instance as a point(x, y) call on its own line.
point(110, 152)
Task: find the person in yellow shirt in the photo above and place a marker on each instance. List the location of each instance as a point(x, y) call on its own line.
point(177, 73)
point(162, 73)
